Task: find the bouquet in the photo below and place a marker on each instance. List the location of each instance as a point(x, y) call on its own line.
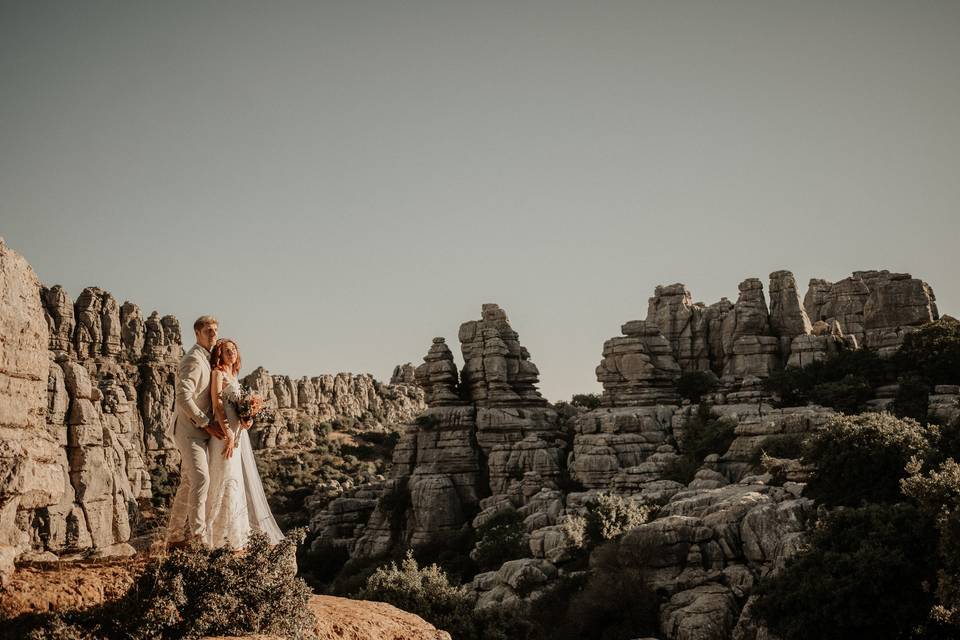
point(249, 405)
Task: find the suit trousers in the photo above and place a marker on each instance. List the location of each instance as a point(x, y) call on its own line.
point(188, 517)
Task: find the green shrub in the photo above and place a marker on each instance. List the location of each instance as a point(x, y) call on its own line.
point(609, 516)
point(614, 603)
point(948, 442)
point(345, 423)
point(450, 550)
point(938, 495)
point(704, 435)
point(428, 593)
point(843, 382)
point(913, 398)
point(359, 452)
point(933, 352)
point(863, 457)
point(849, 394)
point(863, 576)
point(693, 385)
point(586, 400)
point(791, 385)
point(500, 539)
point(197, 592)
point(163, 483)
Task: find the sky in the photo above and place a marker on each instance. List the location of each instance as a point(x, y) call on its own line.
point(339, 182)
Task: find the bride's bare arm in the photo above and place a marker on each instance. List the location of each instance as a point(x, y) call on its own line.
point(216, 386)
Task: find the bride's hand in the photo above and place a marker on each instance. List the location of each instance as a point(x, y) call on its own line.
point(229, 445)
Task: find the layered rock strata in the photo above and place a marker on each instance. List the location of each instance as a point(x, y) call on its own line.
point(86, 401)
point(878, 308)
point(486, 436)
point(292, 403)
point(32, 461)
point(743, 342)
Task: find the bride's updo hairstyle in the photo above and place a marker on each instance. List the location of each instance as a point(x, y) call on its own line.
point(216, 356)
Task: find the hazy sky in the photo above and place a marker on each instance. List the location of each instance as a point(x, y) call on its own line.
point(342, 181)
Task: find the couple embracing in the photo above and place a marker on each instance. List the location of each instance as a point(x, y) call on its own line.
point(220, 499)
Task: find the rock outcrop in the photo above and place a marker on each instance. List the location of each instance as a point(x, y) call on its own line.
point(639, 368)
point(403, 374)
point(293, 402)
point(32, 460)
point(683, 323)
point(86, 401)
point(878, 308)
point(487, 436)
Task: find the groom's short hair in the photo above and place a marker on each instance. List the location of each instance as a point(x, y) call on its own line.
point(203, 321)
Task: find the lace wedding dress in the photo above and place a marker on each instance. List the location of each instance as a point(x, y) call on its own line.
point(236, 503)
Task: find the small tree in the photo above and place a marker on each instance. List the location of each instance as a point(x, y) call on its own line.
point(938, 494)
point(863, 457)
point(863, 576)
point(932, 351)
point(426, 592)
point(500, 539)
point(609, 516)
point(693, 385)
point(586, 400)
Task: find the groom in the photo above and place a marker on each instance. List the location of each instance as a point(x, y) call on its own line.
point(192, 430)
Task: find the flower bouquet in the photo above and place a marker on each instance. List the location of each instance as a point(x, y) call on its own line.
point(250, 406)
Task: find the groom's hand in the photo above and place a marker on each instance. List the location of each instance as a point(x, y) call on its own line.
point(215, 430)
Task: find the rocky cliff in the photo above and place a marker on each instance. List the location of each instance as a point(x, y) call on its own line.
point(488, 443)
point(86, 400)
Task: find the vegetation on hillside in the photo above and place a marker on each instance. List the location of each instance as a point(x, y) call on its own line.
point(195, 592)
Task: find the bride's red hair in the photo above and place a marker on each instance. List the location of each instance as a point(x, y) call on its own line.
point(216, 356)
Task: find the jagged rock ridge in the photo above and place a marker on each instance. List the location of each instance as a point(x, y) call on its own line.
point(479, 449)
point(86, 400)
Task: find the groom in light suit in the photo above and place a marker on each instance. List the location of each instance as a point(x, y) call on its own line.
point(191, 432)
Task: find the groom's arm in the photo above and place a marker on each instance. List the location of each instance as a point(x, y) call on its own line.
point(188, 379)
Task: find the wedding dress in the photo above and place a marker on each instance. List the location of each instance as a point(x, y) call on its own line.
point(236, 503)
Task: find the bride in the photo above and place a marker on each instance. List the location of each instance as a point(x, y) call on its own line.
point(236, 504)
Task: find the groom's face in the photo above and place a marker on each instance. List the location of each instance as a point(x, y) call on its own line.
point(207, 336)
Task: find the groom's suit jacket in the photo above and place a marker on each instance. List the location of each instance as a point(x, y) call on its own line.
point(192, 405)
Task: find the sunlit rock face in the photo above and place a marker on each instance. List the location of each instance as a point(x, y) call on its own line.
point(86, 407)
point(487, 435)
point(31, 458)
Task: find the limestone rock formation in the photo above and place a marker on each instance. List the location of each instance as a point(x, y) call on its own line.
point(292, 402)
point(485, 446)
point(788, 318)
point(437, 376)
point(683, 323)
point(497, 370)
point(30, 455)
point(490, 436)
point(86, 401)
point(403, 374)
point(638, 368)
point(878, 308)
point(609, 441)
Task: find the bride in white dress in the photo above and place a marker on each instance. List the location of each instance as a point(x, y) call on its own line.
point(236, 503)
